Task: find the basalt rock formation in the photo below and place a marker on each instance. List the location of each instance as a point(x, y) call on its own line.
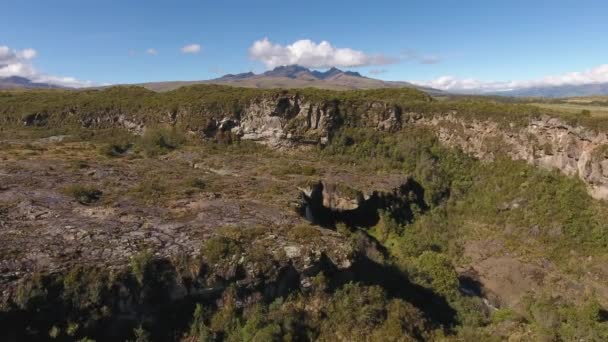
point(546, 142)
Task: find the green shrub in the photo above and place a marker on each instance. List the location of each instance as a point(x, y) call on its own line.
point(157, 141)
point(139, 265)
point(197, 183)
point(436, 271)
point(151, 189)
point(303, 232)
point(386, 227)
point(219, 248)
point(116, 149)
point(354, 312)
point(198, 329)
point(503, 315)
point(558, 320)
point(83, 194)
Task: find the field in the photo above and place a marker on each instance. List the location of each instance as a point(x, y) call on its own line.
point(575, 107)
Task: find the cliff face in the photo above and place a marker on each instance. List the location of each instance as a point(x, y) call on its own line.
point(546, 142)
point(290, 120)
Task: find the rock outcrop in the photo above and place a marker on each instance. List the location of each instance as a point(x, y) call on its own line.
point(545, 142)
point(287, 120)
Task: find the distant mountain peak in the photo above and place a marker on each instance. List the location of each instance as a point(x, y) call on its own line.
point(17, 79)
point(235, 77)
point(289, 71)
point(14, 82)
point(292, 71)
point(296, 76)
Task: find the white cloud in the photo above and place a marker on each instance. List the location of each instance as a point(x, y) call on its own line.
point(191, 48)
point(310, 54)
point(27, 54)
point(598, 74)
point(152, 51)
point(19, 63)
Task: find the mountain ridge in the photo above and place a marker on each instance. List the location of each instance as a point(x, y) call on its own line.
point(295, 76)
point(566, 90)
point(18, 82)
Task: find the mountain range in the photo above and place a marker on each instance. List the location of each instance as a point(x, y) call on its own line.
point(559, 91)
point(295, 76)
point(17, 82)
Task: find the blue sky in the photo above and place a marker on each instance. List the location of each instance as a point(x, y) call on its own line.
point(480, 41)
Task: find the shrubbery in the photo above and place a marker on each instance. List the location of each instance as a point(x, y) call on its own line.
point(156, 141)
point(83, 194)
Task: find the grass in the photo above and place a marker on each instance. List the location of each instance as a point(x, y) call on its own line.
point(199, 104)
point(572, 108)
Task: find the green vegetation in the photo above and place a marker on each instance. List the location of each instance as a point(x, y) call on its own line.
point(536, 212)
point(151, 189)
point(559, 321)
point(294, 169)
point(192, 107)
point(83, 194)
point(304, 233)
point(405, 281)
point(218, 248)
point(160, 140)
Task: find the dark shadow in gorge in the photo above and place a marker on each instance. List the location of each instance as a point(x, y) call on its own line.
point(469, 285)
point(400, 204)
point(396, 284)
point(162, 301)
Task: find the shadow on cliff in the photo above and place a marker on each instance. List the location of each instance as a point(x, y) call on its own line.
point(435, 308)
point(400, 203)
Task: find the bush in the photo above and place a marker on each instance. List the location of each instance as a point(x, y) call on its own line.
point(116, 149)
point(436, 271)
point(157, 141)
point(354, 312)
point(386, 227)
point(198, 329)
point(151, 190)
point(140, 264)
point(83, 194)
point(303, 232)
point(218, 248)
point(197, 183)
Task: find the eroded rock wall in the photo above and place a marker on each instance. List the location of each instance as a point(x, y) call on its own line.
point(292, 120)
point(546, 142)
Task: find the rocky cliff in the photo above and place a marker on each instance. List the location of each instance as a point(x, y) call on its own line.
point(546, 142)
point(290, 119)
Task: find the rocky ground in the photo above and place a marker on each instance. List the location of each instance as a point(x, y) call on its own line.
point(169, 205)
